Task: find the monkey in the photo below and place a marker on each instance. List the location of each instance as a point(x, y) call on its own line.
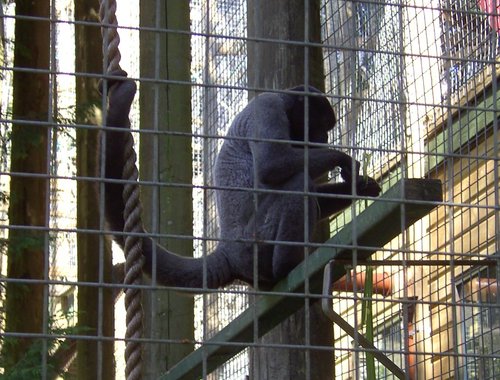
point(268, 159)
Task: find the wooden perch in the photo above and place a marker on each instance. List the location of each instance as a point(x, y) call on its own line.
point(397, 209)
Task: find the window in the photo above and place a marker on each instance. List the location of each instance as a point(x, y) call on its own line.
point(470, 39)
point(479, 339)
point(389, 339)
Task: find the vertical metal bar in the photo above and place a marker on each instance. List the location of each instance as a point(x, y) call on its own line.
point(206, 160)
point(256, 366)
point(307, 239)
point(405, 236)
point(102, 155)
point(50, 109)
point(449, 185)
point(496, 154)
point(155, 203)
point(351, 138)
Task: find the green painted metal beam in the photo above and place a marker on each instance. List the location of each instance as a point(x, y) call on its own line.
point(397, 209)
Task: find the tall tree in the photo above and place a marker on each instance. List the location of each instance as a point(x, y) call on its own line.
point(95, 359)
point(279, 66)
point(167, 158)
point(28, 208)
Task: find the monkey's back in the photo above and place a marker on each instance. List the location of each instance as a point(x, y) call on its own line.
point(234, 178)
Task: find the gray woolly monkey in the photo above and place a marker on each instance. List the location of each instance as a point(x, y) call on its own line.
point(261, 176)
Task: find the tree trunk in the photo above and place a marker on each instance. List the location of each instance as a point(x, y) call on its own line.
point(279, 66)
point(166, 159)
point(95, 359)
point(273, 65)
point(27, 253)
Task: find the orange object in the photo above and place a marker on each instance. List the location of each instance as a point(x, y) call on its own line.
point(382, 283)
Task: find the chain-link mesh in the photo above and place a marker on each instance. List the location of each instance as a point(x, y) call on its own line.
point(415, 89)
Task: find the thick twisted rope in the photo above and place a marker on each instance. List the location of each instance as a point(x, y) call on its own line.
point(133, 264)
point(110, 37)
point(132, 213)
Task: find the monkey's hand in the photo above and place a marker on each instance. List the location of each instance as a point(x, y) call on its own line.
point(367, 186)
point(117, 77)
point(121, 92)
point(349, 168)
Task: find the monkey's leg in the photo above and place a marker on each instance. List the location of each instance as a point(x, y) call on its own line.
point(293, 221)
point(330, 205)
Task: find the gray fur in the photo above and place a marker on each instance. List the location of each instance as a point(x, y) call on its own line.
point(258, 161)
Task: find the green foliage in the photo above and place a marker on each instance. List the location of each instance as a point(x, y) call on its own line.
point(4, 243)
point(4, 198)
point(26, 241)
point(367, 321)
point(31, 365)
point(32, 138)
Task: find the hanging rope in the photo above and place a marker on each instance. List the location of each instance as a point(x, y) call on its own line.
point(132, 213)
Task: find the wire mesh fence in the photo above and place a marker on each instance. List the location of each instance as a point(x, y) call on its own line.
point(410, 283)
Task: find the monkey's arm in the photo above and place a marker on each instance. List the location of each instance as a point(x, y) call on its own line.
point(276, 161)
point(121, 95)
point(329, 205)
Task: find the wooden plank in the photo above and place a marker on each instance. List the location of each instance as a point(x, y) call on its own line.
point(397, 209)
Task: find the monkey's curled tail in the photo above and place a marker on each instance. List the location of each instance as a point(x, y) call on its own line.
point(169, 269)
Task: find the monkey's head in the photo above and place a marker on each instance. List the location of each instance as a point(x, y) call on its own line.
point(321, 117)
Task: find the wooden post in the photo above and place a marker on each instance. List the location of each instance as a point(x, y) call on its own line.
point(280, 65)
point(94, 251)
point(166, 159)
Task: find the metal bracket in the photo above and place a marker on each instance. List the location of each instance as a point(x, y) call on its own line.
point(360, 339)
